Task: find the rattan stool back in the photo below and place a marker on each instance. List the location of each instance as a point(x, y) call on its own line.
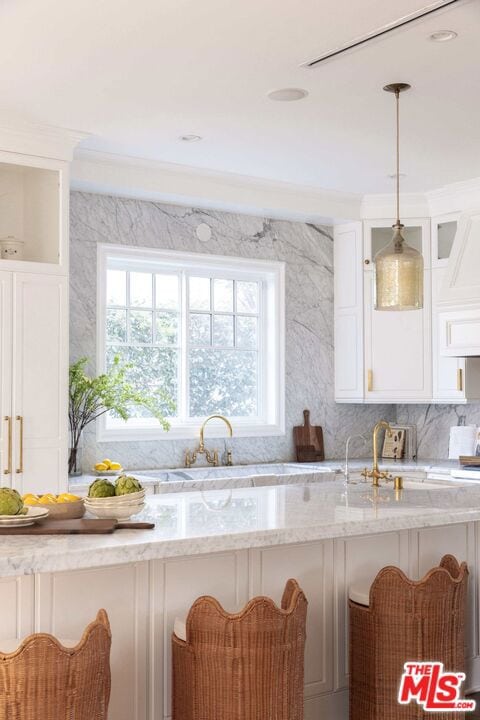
point(243, 666)
point(43, 680)
point(405, 621)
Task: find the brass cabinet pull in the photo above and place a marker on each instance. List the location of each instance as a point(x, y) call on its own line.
point(20, 420)
point(8, 469)
point(460, 379)
point(370, 380)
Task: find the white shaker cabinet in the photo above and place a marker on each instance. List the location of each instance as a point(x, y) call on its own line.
point(348, 323)
point(34, 376)
point(379, 356)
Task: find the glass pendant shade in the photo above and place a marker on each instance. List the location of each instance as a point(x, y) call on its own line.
point(398, 275)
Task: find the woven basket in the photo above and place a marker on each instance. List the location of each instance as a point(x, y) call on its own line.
point(43, 680)
point(405, 621)
point(243, 666)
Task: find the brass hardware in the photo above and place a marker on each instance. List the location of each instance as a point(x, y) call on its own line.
point(375, 473)
point(370, 380)
point(212, 458)
point(460, 379)
point(398, 482)
point(8, 470)
point(20, 420)
point(367, 261)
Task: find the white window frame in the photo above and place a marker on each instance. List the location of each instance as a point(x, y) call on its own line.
point(271, 379)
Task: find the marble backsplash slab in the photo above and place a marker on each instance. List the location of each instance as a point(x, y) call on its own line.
point(306, 249)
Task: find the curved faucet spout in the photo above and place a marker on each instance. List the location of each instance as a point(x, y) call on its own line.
point(214, 417)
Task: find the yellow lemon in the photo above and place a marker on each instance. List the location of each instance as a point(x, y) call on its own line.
point(47, 499)
point(101, 466)
point(67, 497)
point(115, 466)
point(107, 462)
point(30, 499)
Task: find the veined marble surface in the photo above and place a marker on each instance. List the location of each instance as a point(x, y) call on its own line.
point(194, 523)
point(307, 251)
point(258, 475)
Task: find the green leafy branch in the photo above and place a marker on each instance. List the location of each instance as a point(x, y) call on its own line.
point(92, 397)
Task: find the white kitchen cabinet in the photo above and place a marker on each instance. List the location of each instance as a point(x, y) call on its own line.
point(459, 302)
point(34, 367)
point(67, 602)
point(455, 379)
point(312, 566)
point(348, 322)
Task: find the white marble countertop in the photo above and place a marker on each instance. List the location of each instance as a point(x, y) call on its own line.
point(197, 478)
point(194, 523)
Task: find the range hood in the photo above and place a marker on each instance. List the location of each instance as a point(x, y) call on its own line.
point(460, 296)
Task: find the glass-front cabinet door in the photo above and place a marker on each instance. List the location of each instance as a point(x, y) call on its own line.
point(444, 229)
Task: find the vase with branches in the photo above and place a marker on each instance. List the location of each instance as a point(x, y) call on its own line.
point(92, 397)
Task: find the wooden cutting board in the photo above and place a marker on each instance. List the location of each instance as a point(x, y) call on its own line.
point(75, 527)
point(308, 441)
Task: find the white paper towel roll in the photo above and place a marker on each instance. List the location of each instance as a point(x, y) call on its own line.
point(462, 441)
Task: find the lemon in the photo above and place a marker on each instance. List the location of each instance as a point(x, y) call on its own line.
point(101, 466)
point(47, 499)
point(67, 497)
point(107, 462)
point(30, 499)
point(115, 466)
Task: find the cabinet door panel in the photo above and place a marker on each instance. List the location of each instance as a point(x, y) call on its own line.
point(68, 601)
point(16, 601)
point(40, 380)
point(5, 372)
point(176, 585)
point(358, 559)
point(397, 349)
point(448, 372)
point(348, 282)
point(312, 566)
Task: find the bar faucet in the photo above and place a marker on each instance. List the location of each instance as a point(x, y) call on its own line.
point(375, 473)
point(211, 457)
point(347, 448)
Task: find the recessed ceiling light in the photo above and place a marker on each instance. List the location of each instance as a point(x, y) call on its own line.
point(443, 36)
point(190, 138)
point(287, 94)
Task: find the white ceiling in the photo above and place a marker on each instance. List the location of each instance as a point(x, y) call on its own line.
point(136, 75)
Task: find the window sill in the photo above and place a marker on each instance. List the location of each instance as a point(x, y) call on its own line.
point(187, 432)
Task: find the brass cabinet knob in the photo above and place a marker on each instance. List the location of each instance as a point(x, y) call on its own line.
point(367, 261)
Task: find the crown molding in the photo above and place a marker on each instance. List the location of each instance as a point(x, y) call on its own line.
point(108, 173)
point(28, 138)
point(377, 206)
point(456, 197)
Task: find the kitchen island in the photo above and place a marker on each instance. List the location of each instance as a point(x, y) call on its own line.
point(235, 543)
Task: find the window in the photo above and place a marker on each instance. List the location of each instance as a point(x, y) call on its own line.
point(206, 330)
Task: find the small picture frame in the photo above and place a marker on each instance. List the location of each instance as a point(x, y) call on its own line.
point(394, 445)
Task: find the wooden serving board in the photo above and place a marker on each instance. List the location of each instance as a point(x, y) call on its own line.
point(469, 461)
point(308, 441)
point(75, 527)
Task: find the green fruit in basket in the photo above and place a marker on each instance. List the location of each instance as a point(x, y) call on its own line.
point(126, 484)
point(11, 502)
point(101, 488)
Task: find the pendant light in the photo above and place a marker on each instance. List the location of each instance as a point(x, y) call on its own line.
point(398, 267)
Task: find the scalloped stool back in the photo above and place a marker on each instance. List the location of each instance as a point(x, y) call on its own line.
point(241, 666)
point(43, 678)
point(402, 620)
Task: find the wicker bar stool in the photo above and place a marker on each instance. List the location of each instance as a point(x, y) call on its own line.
point(401, 620)
point(43, 679)
point(243, 666)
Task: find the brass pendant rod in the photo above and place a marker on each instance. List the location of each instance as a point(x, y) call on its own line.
point(397, 98)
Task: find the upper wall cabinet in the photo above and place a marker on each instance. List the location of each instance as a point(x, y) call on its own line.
point(33, 214)
point(394, 356)
point(459, 303)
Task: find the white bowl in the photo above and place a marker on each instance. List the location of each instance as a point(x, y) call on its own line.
point(118, 499)
point(116, 513)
